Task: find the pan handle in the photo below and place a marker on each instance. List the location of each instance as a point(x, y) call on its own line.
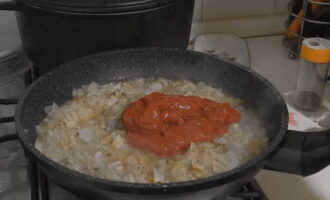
point(302, 153)
point(9, 5)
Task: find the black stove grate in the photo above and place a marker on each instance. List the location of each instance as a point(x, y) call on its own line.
point(7, 137)
point(39, 182)
point(251, 191)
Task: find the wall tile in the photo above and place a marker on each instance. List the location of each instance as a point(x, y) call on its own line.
point(281, 6)
point(243, 26)
point(198, 10)
point(220, 9)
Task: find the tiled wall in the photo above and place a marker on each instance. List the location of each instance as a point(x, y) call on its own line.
point(206, 10)
point(245, 18)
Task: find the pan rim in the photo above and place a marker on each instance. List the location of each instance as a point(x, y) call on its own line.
point(157, 188)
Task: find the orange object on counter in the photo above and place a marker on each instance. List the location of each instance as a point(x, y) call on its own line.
point(168, 124)
point(315, 50)
point(295, 25)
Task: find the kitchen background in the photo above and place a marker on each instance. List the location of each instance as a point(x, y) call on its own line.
point(261, 24)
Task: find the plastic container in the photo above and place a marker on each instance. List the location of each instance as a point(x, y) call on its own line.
point(313, 74)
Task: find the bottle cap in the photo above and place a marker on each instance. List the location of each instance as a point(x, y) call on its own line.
point(316, 50)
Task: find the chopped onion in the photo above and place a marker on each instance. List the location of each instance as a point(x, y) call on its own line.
point(116, 165)
point(112, 101)
point(38, 145)
point(39, 129)
point(74, 92)
point(51, 108)
point(130, 178)
point(221, 140)
point(99, 158)
point(111, 124)
point(86, 135)
point(158, 175)
point(116, 87)
point(118, 142)
point(156, 86)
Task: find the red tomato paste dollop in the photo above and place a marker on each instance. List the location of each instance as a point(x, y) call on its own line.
point(168, 124)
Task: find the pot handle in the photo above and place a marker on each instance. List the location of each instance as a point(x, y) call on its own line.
point(302, 153)
point(9, 5)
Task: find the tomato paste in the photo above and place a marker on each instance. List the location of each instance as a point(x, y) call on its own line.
point(168, 124)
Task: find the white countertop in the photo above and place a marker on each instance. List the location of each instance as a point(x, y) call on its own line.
point(269, 58)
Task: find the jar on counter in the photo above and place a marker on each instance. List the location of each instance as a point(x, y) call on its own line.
point(313, 74)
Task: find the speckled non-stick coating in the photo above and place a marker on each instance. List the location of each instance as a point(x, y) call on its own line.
point(233, 78)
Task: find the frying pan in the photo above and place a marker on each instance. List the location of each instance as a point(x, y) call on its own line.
point(287, 151)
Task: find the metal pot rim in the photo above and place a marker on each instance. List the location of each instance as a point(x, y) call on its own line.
point(77, 7)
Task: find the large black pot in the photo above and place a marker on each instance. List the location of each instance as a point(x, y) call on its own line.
point(287, 151)
point(56, 31)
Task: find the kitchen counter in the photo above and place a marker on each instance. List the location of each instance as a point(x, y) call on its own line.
point(269, 58)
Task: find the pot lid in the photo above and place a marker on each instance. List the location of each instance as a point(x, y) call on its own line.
point(97, 6)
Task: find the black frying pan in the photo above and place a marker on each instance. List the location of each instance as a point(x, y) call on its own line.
point(300, 153)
